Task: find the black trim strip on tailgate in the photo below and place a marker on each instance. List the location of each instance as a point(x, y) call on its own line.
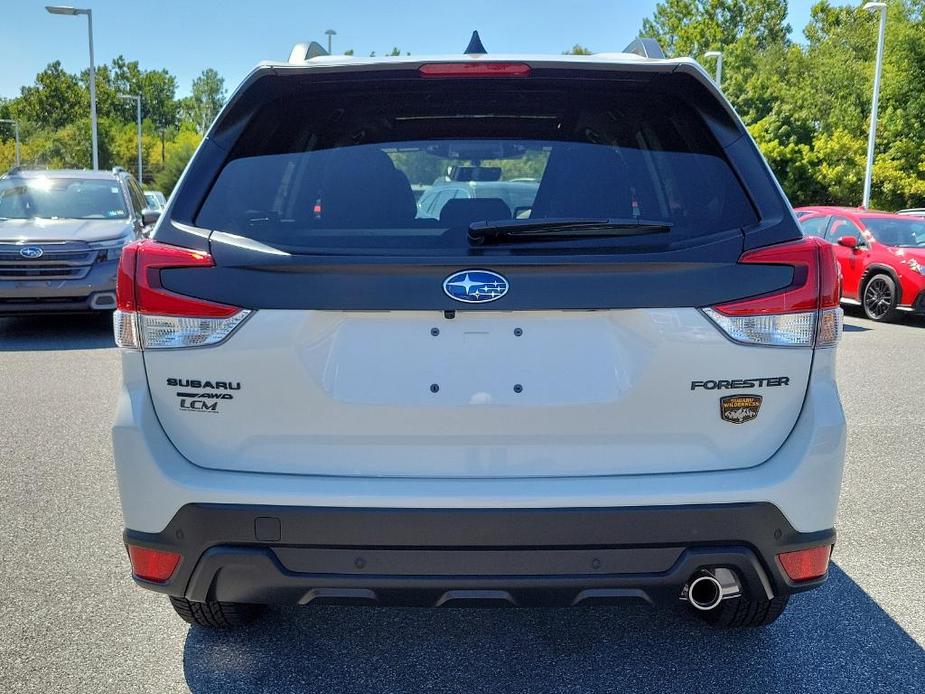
point(250, 278)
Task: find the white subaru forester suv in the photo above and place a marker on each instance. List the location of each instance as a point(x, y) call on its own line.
point(623, 391)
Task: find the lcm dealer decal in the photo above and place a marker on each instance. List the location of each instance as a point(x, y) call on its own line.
point(199, 395)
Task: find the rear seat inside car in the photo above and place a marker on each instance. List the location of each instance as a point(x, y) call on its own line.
point(461, 212)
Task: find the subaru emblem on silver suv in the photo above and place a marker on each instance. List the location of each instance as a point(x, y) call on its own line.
point(475, 286)
point(31, 252)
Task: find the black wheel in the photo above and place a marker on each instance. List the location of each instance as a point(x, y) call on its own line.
point(739, 612)
point(880, 298)
point(217, 615)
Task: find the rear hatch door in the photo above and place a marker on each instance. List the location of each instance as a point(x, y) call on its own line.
point(384, 340)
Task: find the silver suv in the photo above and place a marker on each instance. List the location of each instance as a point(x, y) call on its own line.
point(61, 235)
point(624, 391)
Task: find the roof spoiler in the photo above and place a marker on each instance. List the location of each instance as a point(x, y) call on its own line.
point(647, 48)
point(306, 51)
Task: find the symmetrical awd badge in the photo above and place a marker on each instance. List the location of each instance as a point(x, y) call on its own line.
point(475, 286)
point(739, 409)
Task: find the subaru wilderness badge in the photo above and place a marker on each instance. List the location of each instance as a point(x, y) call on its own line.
point(475, 286)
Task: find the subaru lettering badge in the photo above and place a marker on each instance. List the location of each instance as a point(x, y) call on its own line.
point(31, 252)
point(475, 286)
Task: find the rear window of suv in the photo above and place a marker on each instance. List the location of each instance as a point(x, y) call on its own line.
point(412, 164)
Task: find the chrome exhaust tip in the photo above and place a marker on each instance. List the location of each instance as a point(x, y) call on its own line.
point(709, 587)
point(705, 592)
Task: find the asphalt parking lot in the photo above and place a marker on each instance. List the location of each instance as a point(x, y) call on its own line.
point(71, 620)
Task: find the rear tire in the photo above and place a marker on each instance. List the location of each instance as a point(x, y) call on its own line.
point(216, 615)
point(739, 612)
point(879, 298)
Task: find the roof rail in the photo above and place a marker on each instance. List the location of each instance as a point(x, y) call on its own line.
point(647, 48)
point(119, 169)
point(306, 51)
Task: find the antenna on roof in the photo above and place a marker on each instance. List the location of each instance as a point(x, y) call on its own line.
point(475, 46)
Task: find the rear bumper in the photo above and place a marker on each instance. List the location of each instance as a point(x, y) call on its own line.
point(95, 292)
point(433, 557)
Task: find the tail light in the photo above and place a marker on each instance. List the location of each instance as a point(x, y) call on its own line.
point(148, 316)
point(804, 314)
point(806, 564)
point(152, 564)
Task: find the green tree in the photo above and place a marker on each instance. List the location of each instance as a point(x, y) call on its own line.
point(808, 106)
point(159, 106)
point(70, 146)
point(54, 101)
point(179, 152)
point(157, 88)
point(577, 49)
point(205, 100)
point(419, 168)
point(691, 27)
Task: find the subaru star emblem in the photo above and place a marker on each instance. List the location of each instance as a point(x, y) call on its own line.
point(31, 252)
point(475, 286)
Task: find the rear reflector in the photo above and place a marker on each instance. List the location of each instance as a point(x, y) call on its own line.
point(152, 564)
point(806, 564)
point(474, 69)
point(806, 313)
point(152, 317)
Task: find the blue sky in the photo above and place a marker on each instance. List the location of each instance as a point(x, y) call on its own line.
point(186, 36)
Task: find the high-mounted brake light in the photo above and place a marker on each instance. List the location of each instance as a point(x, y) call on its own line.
point(806, 313)
point(148, 316)
point(474, 69)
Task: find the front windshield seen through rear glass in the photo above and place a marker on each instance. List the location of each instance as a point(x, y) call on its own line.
point(904, 233)
point(51, 197)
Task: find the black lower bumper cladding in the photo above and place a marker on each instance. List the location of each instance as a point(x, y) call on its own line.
point(433, 557)
point(918, 306)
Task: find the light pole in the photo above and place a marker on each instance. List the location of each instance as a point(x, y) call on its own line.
point(137, 99)
point(330, 33)
point(719, 65)
point(73, 11)
point(15, 134)
point(872, 136)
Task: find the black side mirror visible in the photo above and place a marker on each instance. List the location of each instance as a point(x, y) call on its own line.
point(149, 217)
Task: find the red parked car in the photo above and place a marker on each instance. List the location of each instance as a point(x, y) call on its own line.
point(882, 257)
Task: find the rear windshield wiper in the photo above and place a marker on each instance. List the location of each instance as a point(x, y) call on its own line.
point(561, 229)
